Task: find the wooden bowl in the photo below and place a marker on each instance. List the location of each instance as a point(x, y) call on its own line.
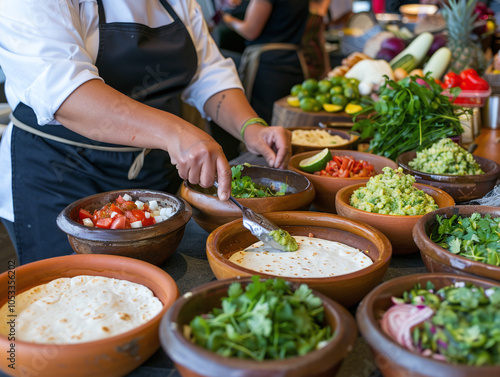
point(114, 356)
point(350, 137)
point(327, 187)
point(394, 360)
point(398, 229)
point(153, 244)
point(192, 360)
point(346, 289)
point(438, 259)
point(462, 188)
point(209, 212)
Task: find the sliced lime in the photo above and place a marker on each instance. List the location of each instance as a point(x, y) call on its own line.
point(316, 162)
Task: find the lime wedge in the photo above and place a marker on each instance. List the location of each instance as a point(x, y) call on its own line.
point(293, 101)
point(316, 162)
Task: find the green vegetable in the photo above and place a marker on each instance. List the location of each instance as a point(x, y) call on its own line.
point(267, 320)
point(284, 238)
point(244, 187)
point(411, 57)
point(474, 237)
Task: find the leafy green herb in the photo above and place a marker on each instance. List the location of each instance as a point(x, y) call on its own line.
point(474, 237)
point(409, 116)
point(244, 187)
point(266, 320)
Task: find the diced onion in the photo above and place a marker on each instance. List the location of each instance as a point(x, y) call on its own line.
point(159, 218)
point(153, 204)
point(136, 224)
point(147, 215)
point(113, 214)
point(166, 212)
point(139, 204)
point(88, 222)
point(127, 197)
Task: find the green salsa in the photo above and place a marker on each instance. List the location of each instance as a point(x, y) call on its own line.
point(284, 238)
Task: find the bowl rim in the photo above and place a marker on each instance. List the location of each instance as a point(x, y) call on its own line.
point(368, 229)
point(383, 215)
point(74, 229)
point(194, 356)
point(451, 178)
point(366, 321)
point(169, 285)
point(352, 136)
point(405, 7)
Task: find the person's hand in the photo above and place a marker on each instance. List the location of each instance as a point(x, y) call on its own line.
point(273, 143)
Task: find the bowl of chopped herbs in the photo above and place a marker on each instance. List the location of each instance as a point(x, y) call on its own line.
point(461, 239)
point(257, 327)
point(260, 188)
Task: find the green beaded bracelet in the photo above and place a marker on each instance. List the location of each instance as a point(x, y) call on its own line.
point(252, 121)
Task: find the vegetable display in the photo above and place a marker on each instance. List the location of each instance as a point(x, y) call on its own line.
point(266, 320)
point(457, 323)
point(244, 187)
point(475, 237)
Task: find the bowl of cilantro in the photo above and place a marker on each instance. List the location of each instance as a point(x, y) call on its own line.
point(260, 188)
point(256, 327)
point(461, 239)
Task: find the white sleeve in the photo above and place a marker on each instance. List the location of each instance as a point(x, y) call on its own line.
point(215, 73)
point(42, 53)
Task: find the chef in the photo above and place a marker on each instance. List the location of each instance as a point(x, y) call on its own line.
point(94, 88)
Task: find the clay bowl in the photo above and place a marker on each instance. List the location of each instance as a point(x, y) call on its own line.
point(350, 137)
point(114, 356)
point(192, 360)
point(153, 243)
point(346, 289)
point(438, 259)
point(209, 212)
point(462, 188)
point(327, 187)
point(394, 360)
point(398, 229)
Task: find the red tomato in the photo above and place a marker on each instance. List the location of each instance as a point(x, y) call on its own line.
point(84, 214)
point(472, 82)
point(138, 214)
point(120, 222)
point(128, 206)
point(148, 221)
point(130, 216)
point(114, 208)
point(466, 73)
point(120, 200)
point(104, 223)
point(451, 80)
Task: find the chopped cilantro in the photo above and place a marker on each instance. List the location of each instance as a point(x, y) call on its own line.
point(244, 187)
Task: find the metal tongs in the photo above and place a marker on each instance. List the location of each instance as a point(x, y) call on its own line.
point(257, 224)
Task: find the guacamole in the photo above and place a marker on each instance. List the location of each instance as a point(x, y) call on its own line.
point(392, 193)
point(446, 157)
point(284, 238)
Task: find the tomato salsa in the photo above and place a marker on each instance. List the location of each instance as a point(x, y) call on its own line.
point(347, 167)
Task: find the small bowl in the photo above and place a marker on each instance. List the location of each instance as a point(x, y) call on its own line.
point(398, 229)
point(195, 361)
point(346, 289)
point(209, 212)
point(438, 259)
point(115, 356)
point(462, 188)
point(327, 187)
point(153, 244)
point(394, 360)
point(414, 12)
point(350, 137)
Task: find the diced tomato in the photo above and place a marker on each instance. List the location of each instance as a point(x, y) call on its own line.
point(148, 221)
point(130, 216)
point(104, 223)
point(138, 214)
point(120, 200)
point(116, 209)
point(84, 214)
point(120, 222)
point(128, 206)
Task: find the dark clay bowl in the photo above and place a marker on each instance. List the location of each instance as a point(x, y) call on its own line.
point(153, 244)
point(462, 188)
point(438, 259)
point(192, 360)
point(394, 360)
point(209, 212)
point(350, 137)
point(346, 289)
point(327, 187)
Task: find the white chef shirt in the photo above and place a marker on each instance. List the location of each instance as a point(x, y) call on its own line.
point(48, 49)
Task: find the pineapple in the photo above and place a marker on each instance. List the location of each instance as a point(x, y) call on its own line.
point(465, 52)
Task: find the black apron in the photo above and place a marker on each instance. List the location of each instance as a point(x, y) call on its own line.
point(151, 65)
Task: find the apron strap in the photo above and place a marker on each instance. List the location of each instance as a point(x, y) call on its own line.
point(102, 15)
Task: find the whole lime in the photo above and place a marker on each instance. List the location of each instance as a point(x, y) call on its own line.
point(324, 86)
point(310, 104)
point(311, 85)
point(295, 90)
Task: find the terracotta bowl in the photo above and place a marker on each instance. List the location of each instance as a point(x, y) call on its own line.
point(154, 243)
point(209, 212)
point(351, 138)
point(438, 259)
point(346, 289)
point(327, 187)
point(192, 360)
point(462, 188)
point(398, 229)
point(394, 360)
point(114, 356)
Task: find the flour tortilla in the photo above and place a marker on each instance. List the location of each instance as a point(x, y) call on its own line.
point(80, 309)
point(315, 258)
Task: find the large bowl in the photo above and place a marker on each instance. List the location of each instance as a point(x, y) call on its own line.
point(394, 360)
point(153, 243)
point(114, 356)
point(438, 259)
point(398, 229)
point(346, 289)
point(192, 360)
point(462, 188)
point(351, 139)
point(327, 187)
point(209, 212)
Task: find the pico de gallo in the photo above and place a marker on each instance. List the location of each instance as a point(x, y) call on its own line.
point(347, 167)
point(124, 213)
